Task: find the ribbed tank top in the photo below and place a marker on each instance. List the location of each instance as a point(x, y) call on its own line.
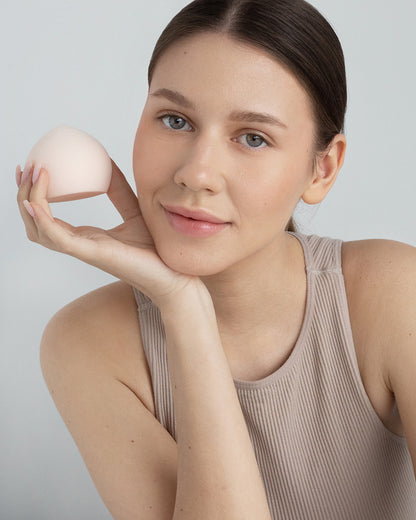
point(323, 452)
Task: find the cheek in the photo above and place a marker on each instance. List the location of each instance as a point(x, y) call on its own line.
point(275, 191)
point(150, 166)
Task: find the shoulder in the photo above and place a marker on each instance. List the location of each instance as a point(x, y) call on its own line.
point(376, 256)
point(99, 331)
point(90, 358)
point(382, 271)
point(380, 280)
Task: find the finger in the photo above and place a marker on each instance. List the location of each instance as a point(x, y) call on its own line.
point(79, 242)
point(24, 194)
point(18, 175)
point(24, 186)
point(121, 194)
point(53, 233)
point(39, 191)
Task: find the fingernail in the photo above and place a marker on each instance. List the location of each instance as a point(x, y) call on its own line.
point(26, 172)
point(36, 172)
point(29, 208)
point(18, 175)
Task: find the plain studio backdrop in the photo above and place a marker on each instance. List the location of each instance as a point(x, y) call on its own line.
point(84, 63)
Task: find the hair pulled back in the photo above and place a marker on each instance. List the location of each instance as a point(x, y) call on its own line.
point(293, 32)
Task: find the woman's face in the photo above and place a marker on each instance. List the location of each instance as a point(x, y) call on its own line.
point(201, 147)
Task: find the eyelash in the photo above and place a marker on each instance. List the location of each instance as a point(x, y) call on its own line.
point(178, 116)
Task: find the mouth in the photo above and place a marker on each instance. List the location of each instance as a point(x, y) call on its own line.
point(195, 214)
point(194, 222)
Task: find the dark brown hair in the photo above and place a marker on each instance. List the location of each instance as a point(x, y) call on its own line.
point(293, 32)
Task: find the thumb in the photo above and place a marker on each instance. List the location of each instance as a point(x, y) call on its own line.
point(121, 195)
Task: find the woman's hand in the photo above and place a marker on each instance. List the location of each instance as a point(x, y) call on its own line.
point(126, 251)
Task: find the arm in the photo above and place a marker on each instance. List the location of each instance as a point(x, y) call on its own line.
point(94, 367)
point(400, 314)
point(218, 476)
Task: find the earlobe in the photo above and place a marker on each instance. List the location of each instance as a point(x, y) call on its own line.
point(328, 164)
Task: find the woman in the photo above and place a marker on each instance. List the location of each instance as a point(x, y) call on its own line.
point(267, 374)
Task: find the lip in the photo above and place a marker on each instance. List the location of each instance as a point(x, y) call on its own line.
point(195, 223)
point(195, 214)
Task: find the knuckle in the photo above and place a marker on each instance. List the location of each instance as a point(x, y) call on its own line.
point(31, 236)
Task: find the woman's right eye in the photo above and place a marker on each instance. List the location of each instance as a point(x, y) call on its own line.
point(174, 122)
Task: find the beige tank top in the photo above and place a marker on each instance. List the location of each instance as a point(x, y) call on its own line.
point(322, 450)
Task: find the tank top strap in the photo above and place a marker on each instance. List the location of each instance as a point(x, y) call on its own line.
point(143, 302)
point(321, 253)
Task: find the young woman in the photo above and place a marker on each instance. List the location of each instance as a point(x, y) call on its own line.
point(239, 369)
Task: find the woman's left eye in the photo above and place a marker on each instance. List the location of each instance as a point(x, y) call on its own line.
point(175, 122)
point(256, 140)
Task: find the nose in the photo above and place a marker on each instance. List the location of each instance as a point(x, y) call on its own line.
point(202, 168)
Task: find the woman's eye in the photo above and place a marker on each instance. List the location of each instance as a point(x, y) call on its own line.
point(174, 122)
point(254, 140)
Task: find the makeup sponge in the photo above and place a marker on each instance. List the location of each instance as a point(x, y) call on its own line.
point(77, 164)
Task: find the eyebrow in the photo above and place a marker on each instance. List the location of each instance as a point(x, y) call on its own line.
point(252, 117)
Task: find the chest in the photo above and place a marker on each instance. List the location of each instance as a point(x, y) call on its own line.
point(267, 358)
point(369, 364)
point(366, 332)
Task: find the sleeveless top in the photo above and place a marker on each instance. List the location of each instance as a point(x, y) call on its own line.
point(323, 452)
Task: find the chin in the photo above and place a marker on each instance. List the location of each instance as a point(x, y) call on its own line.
point(193, 263)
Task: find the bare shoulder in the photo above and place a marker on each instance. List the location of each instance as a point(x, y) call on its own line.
point(378, 273)
point(101, 326)
point(92, 362)
point(380, 282)
point(377, 254)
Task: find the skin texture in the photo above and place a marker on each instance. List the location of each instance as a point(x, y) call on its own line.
point(208, 164)
point(212, 292)
point(211, 164)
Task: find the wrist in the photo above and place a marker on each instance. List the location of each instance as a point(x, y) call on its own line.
point(193, 298)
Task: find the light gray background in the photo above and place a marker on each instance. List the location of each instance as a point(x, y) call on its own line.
point(84, 63)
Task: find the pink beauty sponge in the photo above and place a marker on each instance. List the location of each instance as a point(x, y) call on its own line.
point(77, 164)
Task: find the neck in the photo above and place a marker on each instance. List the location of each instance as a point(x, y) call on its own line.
point(260, 293)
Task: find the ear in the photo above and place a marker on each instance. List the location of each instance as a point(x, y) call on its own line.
point(328, 164)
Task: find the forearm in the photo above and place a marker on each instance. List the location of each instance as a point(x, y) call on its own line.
point(218, 475)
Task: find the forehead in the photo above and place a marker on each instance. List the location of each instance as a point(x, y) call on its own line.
point(212, 68)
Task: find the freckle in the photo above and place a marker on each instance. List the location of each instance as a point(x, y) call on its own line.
point(132, 442)
point(410, 334)
point(189, 447)
point(181, 509)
